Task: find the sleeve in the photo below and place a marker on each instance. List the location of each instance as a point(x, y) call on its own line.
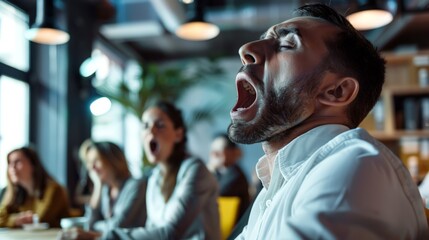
point(130, 208)
point(53, 206)
point(93, 215)
point(191, 194)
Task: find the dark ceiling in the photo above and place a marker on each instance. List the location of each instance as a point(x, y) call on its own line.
point(143, 28)
point(241, 21)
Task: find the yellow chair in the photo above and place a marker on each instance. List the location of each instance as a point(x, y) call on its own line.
point(228, 210)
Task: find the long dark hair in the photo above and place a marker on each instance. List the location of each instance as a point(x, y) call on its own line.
point(16, 194)
point(179, 152)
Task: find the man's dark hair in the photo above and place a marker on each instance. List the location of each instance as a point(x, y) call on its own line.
point(350, 54)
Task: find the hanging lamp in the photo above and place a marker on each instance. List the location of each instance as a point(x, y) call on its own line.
point(197, 29)
point(370, 15)
point(44, 30)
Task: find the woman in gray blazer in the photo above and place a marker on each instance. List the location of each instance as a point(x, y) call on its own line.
point(182, 194)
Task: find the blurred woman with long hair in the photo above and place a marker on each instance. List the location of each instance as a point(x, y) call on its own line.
point(181, 194)
point(31, 191)
point(118, 199)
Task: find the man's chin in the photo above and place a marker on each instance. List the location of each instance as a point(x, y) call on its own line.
point(243, 133)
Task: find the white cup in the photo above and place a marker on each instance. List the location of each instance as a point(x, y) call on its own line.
point(79, 222)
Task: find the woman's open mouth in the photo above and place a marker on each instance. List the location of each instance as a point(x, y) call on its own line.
point(153, 146)
point(246, 101)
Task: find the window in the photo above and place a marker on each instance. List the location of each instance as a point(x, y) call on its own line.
point(117, 125)
point(14, 90)
point(14, 111)
point(14, 47)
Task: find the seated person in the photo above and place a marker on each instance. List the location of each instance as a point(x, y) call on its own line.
point(85, 186)
point(117, 200)
point(312, 79)
point(224, 155)
point(31, 191)
point(181, 193)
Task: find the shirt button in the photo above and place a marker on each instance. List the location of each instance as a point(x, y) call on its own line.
point(268, 203)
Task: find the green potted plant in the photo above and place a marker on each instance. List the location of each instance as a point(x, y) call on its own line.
point(170, 82)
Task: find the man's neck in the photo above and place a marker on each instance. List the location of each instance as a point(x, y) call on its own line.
point(272, 146)
point(277, 142)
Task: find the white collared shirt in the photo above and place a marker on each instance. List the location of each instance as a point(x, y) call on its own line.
point(336, 183)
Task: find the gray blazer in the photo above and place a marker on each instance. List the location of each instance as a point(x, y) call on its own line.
point(129, 210)
point(190, 213)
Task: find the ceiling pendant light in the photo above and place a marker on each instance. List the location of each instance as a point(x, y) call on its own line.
point(370, 15)
point(197, 29)
point(44, 30)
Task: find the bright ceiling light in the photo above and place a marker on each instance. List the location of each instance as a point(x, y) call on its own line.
point(100, 106)
point(45, 35)
point(370, 19)
point(197, 31)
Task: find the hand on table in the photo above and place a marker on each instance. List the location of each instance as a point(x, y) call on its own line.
point(24, 218)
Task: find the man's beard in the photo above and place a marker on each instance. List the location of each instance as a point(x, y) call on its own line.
point(279, 111)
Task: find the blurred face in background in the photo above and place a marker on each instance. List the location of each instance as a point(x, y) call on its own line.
point(94, 162)
point(221, 155)
point(20, 169)
point(159, 135)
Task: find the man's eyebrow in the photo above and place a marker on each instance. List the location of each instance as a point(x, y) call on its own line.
point(282, 32)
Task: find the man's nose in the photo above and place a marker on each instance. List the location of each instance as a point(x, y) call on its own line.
point(251, 53)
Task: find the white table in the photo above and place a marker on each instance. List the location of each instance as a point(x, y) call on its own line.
point(20, 234)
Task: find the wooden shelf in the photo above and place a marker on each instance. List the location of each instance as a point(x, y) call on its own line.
point(401, 86)
point(398, 134)
point(406, 90)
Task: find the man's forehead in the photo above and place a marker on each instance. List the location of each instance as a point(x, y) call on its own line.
point(301, 22)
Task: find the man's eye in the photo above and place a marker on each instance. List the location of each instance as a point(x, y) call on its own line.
point(287, 45)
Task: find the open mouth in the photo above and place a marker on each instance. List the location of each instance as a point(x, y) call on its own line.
point(246, 95)
point(153, 146)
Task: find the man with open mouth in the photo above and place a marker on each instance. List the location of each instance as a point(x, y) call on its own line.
point(303, 89)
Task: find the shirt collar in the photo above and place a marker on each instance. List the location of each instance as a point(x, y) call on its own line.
point(292, 155)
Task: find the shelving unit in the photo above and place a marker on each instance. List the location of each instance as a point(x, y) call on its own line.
point(398, 121)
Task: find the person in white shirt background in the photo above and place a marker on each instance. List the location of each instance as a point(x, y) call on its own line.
point(303, 89)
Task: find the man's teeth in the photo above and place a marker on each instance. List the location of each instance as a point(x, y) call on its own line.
point(241, 109)
point(248, 88)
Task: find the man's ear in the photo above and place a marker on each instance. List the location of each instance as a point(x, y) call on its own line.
point(340, 93)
